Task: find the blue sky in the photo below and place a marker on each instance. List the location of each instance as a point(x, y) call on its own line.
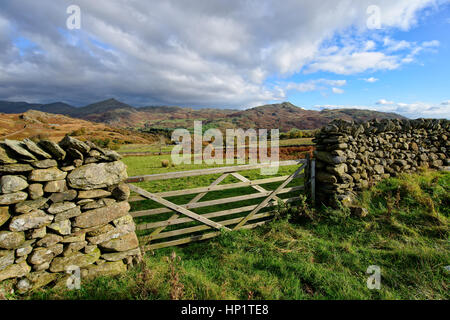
point(232, 54)
point(426, 79)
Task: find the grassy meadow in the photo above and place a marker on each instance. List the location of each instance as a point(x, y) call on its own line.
point(296, 141)
point(304, 253)
point(152, 164)
point(156, 148)
point(144, 148)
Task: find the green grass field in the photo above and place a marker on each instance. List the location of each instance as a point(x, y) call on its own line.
point(305, 254)
point(152, 164)
point(298, 141)
point(144, 148)
point(168, 148)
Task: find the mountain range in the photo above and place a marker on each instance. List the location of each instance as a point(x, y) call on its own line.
point(284, 116)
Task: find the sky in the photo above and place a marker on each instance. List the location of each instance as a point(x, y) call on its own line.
point(382, 55)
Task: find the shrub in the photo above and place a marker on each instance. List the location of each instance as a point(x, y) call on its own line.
point(40, 136)
point(301, 212)
point(114, 146)
point(107, 143)
point(165, 163)
point(78, 132)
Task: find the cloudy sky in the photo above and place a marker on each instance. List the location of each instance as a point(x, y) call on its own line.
point(388, 55)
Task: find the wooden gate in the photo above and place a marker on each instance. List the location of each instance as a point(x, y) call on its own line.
point(154, 233)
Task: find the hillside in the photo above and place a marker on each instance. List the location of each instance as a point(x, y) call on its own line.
point(54, 127)
point(118, 114)
point(287, 116)
point(18, 107)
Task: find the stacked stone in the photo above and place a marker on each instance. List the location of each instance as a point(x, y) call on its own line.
point(351, 157)
point(63, 205)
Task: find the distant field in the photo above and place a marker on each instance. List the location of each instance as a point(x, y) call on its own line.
point(298, 141)
point(152, 164)
point(144, 148)
point(168, 148)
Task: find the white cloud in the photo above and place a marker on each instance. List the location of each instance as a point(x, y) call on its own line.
point(338, 83)
point(337, 90)
point(353, 58)
point(422, 110)
point(394, 45)
point(409, 110)
point(370, 45)
point(314, 85)
point(432, 43)
point(371, 80)
point(350, 60)
point(201, 53)
point(385, 102)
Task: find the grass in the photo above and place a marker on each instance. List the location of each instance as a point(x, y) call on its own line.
point(155, 148)
point(307, 254)
point(141, 165)
point(145, 165)
point(145, 148)
point(152, 164)
point(297, 141)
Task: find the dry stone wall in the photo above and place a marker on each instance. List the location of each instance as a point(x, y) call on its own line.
point(63, 206)
point(351, 157)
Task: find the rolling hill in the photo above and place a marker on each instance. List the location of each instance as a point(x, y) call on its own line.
point(54, 127)
point(287, 116)
point(284, 116)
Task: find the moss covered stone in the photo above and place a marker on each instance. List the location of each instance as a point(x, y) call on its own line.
point(81, 260)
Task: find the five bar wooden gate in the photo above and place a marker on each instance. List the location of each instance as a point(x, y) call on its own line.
point(183, 214)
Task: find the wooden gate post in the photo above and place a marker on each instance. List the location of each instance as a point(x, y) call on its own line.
point(306, 182)
point(313, 182)
point(310, 179)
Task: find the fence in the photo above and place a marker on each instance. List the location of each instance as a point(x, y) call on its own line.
point(181, 224)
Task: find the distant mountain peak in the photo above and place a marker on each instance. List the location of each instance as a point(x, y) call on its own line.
point(57, 102)
point(283, 105)
point(287, 104)
point(110, 100)
point(104, 106)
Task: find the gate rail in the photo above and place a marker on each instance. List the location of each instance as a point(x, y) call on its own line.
point(183, 213)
